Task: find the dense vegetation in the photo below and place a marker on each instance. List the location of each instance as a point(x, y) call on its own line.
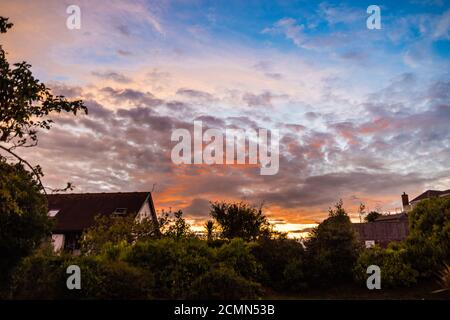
point(118, 262)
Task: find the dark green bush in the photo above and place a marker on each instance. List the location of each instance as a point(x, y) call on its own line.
point(223, 282)
point(237, 255)
point(175, 264)
point(294, 276)
point(275, 255)
point(428, 244)
point(44, 277)
point(332, 250)
point(395, 270)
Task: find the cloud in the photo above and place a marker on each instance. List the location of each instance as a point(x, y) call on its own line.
point(195, 94)
point(198, 208)
point(443, 26)
point(112, 75)
point(132, 96)
point(290, 28)
point(255, 100)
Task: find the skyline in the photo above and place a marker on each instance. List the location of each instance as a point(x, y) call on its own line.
point(363, 114)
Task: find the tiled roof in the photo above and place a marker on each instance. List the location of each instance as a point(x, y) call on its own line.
point(431, 194)
point(78, 210)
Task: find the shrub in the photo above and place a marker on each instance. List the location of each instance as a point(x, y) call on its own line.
point(44, 277)
point(395, 270)
point(332, 249)
point(444, 280)
point(275, 255)
point(223, 282)
point(174, 264)
point(23, 217)
point(237, 255)
point(294, 276)
point(428, 244)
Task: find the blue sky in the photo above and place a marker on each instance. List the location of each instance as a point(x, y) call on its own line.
point(363, 113)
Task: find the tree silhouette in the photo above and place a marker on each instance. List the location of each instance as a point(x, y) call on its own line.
point(25, 104)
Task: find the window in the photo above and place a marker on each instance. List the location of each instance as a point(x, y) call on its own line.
point(120, 211)
point(53, 212)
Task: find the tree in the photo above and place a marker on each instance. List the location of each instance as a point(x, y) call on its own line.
point(281, 260)
point(25, 104)
point(428, 242)
point(372, 216)
point(333, 248)
point(240, 220)
point(23, 216)
point(110, 229)
point(178, 228)
point(209, 227)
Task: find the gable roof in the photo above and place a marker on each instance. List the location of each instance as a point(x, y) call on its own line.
point(76, 211)
point(431, 194)
point(392, 217)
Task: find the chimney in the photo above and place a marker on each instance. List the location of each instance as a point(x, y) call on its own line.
point(405, 201)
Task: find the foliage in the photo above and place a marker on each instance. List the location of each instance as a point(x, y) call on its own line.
point(224, 283)
point(276, 256)
point(25, 104)
point(395, 270)
point(428, 242)
point(99, 279)
point(23, 216)
point(332, 249)
point(372, 216)
point(175, 264)
point(294, 276)
point(209, 228)
point(444, 280)
point(237, 255)
point(110, 229)
point(178, 228)
point(240, 220)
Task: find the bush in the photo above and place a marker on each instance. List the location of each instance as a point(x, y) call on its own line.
point(294, 276)
point(275, 255)
point(174, 264)
point(428, 243)
point(395, 271)
point(332, 249)
point(223, 283)
point(44, 277)
point(237, 255)
point(23, 217)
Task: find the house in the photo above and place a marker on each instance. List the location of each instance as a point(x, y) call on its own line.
point(383, 230)
point(428, 195)
point(75, 212)
point(393, 227)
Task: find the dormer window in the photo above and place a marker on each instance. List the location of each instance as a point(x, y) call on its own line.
point(120, 211)
point(53, 212)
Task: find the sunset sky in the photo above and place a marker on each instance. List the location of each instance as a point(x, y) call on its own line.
point(364, 115)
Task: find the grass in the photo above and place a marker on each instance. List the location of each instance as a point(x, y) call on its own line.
point(422, 291)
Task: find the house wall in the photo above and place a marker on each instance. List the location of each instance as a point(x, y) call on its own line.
point(144, 212)
point(58, 242)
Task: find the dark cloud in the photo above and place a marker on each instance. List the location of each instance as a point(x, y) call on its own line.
point(196, 94)
point(111, 75)
point(132, 96)
point(198, 208)
point(327, 189)
point(255, 100)
point(66, 90)
point(124, 53)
